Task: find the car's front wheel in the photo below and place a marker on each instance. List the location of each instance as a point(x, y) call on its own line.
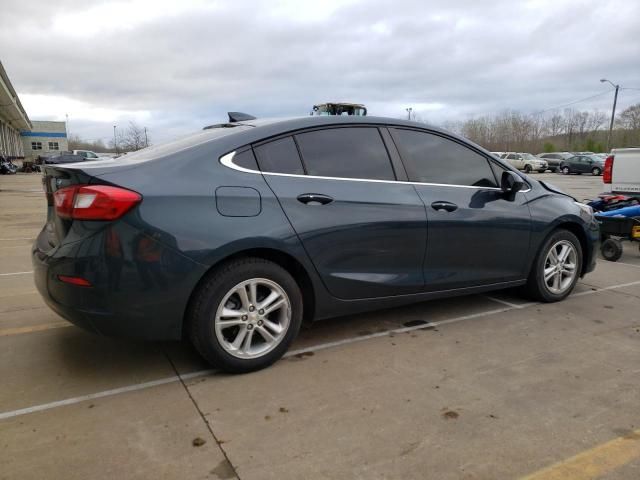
point(565, 170)
point(245, 315)
point(557, 268)
point(527, 169)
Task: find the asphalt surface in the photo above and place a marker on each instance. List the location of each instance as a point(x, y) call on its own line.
point(478, 387)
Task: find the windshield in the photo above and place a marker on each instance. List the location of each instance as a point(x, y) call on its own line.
point(528, 156)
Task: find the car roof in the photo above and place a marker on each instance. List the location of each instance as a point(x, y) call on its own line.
point(232, 135)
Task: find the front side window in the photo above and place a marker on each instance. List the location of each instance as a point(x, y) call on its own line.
point(54, 146)
point(350, 152)
point(36, 145)
point(430, 158)
point(279, 156)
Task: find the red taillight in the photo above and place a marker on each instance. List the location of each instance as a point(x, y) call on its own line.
point(94, 202)
point(607, 174)
point(79, 281)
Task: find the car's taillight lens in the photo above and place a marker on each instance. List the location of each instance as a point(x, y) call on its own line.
point(607, 174)
point(94, 202)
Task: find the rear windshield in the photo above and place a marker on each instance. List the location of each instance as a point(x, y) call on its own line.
point(169, 148)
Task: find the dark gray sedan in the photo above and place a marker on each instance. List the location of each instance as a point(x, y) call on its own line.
point(234, 236)
point(592, 164)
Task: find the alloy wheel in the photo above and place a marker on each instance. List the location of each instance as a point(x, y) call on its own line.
point(253, 318)
point(560, 267)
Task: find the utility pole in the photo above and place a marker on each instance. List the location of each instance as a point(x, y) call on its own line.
point(409, 110)
point(613, 112)
point(146, 139)
point(115, 139)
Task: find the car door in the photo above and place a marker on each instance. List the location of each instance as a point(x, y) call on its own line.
point(512, 158)
point(364, 231)
point(582, 164)
point(477, 234)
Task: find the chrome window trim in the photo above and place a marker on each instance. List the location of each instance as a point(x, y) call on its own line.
point(227, 161)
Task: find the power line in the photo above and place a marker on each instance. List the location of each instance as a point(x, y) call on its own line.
point(574, 102)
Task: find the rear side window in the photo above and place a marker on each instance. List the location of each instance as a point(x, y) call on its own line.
point(246, 160)
point(354, 152)
point(279, 156)
point(430, 158)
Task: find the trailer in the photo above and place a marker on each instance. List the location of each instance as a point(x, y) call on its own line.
point(616, 226)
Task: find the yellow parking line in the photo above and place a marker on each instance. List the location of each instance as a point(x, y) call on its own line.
point(595, 462)
point(35, 328)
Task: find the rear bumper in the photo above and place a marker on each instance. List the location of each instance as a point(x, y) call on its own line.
point(130, 299)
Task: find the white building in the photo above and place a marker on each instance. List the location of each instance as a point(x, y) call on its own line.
point(21, 138)
point(44, 138)
point(13, 119)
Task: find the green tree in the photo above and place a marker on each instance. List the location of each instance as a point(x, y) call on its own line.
point(549, 147)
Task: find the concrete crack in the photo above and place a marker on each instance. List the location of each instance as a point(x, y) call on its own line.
point(202, 415)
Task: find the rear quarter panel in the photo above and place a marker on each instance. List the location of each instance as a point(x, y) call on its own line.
point(180, 207)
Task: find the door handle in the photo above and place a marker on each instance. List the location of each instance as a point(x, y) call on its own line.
point(448, 206)
point(314, 199)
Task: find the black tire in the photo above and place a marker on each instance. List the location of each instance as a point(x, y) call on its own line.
point(565, 170)
point(541, 171)
point(596, 171)
point(611, 249)
point(527, 169)
point(554, 170)
point(206, 300)
point(536, 288)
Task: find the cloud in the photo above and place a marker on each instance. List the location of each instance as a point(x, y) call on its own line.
point(177, 66)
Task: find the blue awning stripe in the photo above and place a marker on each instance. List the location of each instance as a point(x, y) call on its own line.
point(43, 134)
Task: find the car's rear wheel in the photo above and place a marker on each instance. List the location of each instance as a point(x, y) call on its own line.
point(565, 171)
point(557, 268)
point(245, 315)
point(596, 171)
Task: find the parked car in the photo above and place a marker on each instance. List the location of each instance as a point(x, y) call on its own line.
point(526, 162)
point(89, 155)
point(621, 174)
point(65, 157)
point(235, 235)
point(582, 164)
point(554, 159)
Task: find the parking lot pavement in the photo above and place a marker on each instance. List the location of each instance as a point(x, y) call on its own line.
point(479, 387)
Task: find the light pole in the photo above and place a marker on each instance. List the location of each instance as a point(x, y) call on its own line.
point(146, 139)
point(613, 112)
point(409, 110)
point(115, 140)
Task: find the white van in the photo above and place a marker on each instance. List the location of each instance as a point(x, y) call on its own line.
point(622, 171)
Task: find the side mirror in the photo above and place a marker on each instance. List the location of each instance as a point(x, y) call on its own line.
point(511, 183)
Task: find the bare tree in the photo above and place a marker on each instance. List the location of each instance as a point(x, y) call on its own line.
point(132, 139)
point(630, 118)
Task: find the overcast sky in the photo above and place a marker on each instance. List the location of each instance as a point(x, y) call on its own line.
point(177, 65)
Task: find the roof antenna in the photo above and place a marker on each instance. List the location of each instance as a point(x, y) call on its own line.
point(239, 116)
